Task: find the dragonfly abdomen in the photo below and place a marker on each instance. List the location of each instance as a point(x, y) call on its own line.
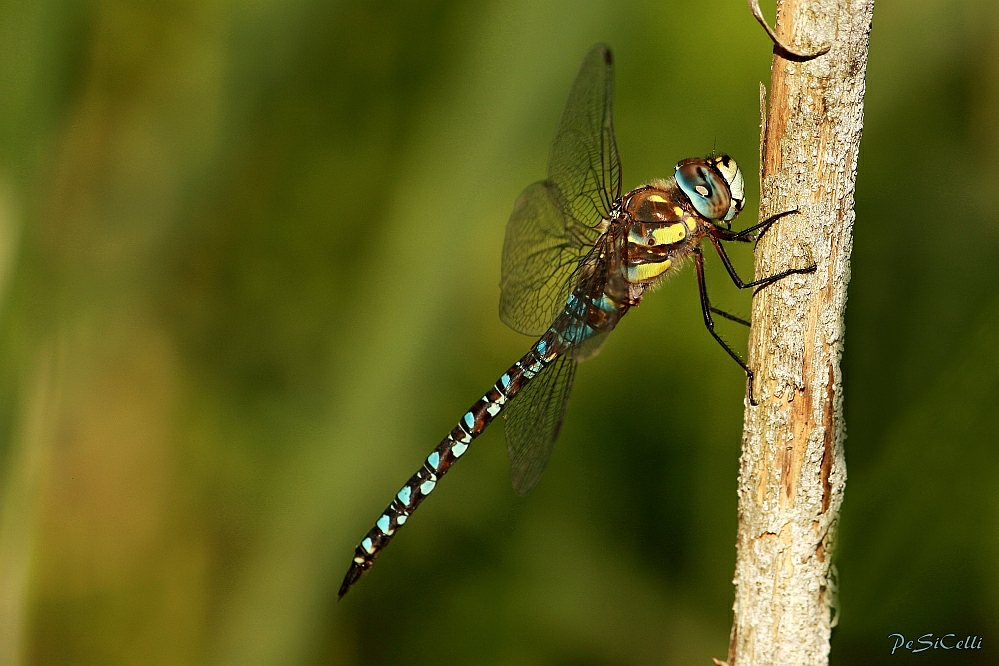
point(585, 317)
point(452, 447)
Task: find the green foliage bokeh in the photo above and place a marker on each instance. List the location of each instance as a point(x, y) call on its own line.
point(249, 257)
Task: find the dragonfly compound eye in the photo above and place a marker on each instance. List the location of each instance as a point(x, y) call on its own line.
point(736, 185)
point(705, 188)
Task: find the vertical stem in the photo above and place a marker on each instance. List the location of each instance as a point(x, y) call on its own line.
point(792, 469)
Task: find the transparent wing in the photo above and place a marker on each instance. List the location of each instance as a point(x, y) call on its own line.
point(556, 221)
point(589, 347)
point(542, 250)
point(533, 421)
point(584, 163)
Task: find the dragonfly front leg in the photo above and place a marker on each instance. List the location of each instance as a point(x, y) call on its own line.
point(765, 225)
point(709, 322)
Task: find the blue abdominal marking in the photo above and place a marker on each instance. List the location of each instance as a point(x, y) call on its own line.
point(458, 448)
point(383, 523)
point(434, 460)
point(606, 304)
point(366, 545)
point(469, 420)
point(427, 486)
point(578, 330)
point(404, 495)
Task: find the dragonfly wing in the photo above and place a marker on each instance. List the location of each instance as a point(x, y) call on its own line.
point(555, 222)
point(584, 163)
point(589, 348)
point(540, 255)
point(533, 421)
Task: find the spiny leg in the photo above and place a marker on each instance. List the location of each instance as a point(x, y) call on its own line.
point(765, 225)
point(730, 317)
point(762, 282)
point(709, 322)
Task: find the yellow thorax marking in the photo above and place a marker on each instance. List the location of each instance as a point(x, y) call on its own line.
point(656, 198)
point(669, 234)
point(677, 211)
point(648, 271)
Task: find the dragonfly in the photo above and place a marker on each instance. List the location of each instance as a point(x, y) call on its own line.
point(577, 256)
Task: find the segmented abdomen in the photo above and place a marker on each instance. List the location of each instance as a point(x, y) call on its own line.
point(452, 447)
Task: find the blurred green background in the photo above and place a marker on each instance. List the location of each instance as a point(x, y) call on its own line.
point(249, 257)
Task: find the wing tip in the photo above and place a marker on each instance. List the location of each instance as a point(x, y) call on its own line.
point(604, 50)
point(523, 486)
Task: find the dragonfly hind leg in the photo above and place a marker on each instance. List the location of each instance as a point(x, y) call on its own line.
point(709, 322)
point(730, 317)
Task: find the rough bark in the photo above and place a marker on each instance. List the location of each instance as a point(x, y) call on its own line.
point(792, 469)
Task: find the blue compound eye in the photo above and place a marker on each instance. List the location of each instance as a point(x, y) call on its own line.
point(708, 193)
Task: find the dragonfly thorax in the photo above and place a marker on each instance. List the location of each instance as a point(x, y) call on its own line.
point(662, 228)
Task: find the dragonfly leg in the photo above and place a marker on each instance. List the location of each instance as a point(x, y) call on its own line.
point(764, 225)
point(709, 322)
point(762, 282)
point(730, 317)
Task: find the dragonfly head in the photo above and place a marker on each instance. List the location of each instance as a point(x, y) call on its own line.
point(714, 185)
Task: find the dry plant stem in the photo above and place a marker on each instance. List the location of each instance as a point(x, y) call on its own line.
point(782, 47)
point(792, 469)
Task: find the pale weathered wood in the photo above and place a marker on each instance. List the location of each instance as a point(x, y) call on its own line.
point(792, 469)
